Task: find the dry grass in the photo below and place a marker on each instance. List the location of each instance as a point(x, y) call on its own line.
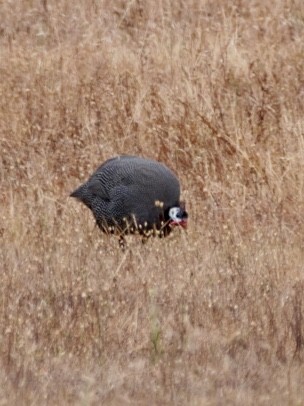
point(214, 316)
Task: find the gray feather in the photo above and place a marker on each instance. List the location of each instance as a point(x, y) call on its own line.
point(130, 188)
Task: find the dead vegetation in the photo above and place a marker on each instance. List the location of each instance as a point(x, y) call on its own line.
point(215, 90)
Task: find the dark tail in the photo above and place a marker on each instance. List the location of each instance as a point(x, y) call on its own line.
point(83, 195)
point(78, 193)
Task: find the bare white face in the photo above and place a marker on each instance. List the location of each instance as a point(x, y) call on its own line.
point(178, 217)
point(175, 214)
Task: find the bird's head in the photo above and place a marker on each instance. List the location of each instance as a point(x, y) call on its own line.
point(178, 216)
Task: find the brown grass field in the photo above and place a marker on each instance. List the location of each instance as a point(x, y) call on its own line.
point(210, 316)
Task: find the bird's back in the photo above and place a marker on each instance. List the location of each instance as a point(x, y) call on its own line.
point(129, 188)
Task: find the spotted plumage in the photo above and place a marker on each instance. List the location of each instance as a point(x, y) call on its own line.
point(130, 194)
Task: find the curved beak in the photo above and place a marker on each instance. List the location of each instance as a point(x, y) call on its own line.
point(184, 223)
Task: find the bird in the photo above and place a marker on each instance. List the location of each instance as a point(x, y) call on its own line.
point(131, 194)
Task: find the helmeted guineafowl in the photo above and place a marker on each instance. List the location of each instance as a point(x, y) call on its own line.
point(130, 194)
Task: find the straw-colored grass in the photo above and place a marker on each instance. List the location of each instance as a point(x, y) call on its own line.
point(211, 316)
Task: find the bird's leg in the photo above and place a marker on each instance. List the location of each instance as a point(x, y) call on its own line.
point(122, 242)
point(145, 239)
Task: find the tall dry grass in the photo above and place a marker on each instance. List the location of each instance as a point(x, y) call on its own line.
point(215, 90)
